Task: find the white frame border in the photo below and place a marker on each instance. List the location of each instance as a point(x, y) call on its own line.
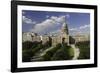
point(52, 63)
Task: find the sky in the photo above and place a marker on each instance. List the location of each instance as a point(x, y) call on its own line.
point(47, 22)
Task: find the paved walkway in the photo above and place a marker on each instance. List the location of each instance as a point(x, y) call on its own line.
point(39, 55)
point(76, 52)
point(45, 51)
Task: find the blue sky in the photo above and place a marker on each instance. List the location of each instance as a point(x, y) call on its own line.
point(44, 22)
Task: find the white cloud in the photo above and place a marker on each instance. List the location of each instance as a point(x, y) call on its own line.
point(73, 29)
point(80, 28)
point(83, 27)
point(48, 24)
point(59, 19)
point(67, 15)
point(55, 32)
point(27, 20)
point(47, 16)
point(44, 26)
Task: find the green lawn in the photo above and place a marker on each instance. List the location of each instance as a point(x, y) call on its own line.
point(59, 52)
point(84, 49)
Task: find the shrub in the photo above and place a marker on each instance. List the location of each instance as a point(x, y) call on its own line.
point(26, 55)
point(65, 53)
point(27, 45)
point(50, 53)
point(29, 49)
point(59, 55)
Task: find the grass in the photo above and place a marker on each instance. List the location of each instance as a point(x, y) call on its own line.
point(59, 52)
point(84, 49)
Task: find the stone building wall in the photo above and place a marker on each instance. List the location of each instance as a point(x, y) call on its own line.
point(45, 39)
point(81, 38)
point(26, 37)
point(56, 40)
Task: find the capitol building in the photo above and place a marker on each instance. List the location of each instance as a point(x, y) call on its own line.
point(63, 37)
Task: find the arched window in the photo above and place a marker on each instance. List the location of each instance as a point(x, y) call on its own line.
point(63, 40)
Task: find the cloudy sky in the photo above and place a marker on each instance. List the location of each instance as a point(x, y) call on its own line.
point(44, 22)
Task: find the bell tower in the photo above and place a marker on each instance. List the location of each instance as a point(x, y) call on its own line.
point(64, 28)
point(64, 32)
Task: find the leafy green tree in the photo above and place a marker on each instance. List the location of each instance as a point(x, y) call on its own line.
point(29, 49)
